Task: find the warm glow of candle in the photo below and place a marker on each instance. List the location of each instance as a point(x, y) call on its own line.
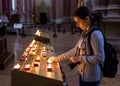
point(37, 59)
point(49, 61)
point(27, 67)
point(17, 66)
point(32, 43)
point(49, 67)
point(44, 48)
point(50, 74)
point(44, 54)
point(37, 32)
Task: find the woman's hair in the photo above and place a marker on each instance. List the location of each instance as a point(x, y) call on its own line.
point(83, 11)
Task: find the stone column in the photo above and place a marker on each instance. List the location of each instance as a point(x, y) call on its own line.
point(53, 10)
point(57, 11)
point(1, 8)
point(61, 7)
point(100, 7)
point(100, 4)
point(5, 6)
point(21, 6)
point(73, 6)
point(27, 11)
point(113, 9)
point(112, 23)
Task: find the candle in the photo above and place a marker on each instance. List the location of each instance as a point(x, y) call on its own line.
point(27, 67)
point(23, 58)
point(17, 66)
point(26, 54)
point(49, 67)
point(37, 59)
point(32, 43)
point(49, 62)
point(37, 32)
point(44, 49)
point(44, 54)
point(40, 33)
point(36, 64)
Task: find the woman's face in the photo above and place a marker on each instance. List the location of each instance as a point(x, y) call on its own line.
point(84, 24)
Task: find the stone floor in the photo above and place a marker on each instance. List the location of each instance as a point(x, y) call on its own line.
point(62, 43)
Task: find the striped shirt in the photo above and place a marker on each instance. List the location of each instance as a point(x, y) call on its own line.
point(88, 68)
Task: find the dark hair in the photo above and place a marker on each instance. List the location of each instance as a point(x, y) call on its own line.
point(96, 19)
point(83, 11)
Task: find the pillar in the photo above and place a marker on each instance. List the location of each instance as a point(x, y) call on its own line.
point(58, 11)
point(100, 7)
point(27, 11)
point(113, 9)
point(1, 8)
point(21, 6)
point(100, 4)
point(112, 23)
point(53, 10)
point(5, 6)
point(73, 6)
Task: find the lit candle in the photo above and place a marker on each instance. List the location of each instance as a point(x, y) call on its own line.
point(27, 67)
point(26, 54)
point(49, 62)
point(44, 48)
point(49, 67)
point(17, 66)
point(37, 59)
point(36, 64)
point(44, 54)
point(37, 32)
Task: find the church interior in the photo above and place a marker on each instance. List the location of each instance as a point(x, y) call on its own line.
point(31, 31)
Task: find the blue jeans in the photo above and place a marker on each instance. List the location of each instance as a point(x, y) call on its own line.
point(82, 83)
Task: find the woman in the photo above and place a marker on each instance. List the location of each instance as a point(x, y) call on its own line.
point(89, 69)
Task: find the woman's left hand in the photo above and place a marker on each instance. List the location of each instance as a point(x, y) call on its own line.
point(74, 59)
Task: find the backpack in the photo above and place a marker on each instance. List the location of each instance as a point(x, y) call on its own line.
point(111, 62)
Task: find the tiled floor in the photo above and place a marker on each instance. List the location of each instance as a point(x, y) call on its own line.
point(61, 43)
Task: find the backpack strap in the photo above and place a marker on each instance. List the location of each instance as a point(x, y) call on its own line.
point(94, 28)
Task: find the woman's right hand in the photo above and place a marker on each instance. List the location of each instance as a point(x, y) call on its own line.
point(53, 59)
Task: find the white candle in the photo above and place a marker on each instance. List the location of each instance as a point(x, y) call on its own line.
point(17, 66)
point(49, 67)
point(27, 67)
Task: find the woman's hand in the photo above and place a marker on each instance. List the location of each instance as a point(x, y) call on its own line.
point(53, 59)
point(74, 59)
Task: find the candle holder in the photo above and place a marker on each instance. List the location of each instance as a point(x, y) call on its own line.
point(27, 67)
point(36, 63)
point(49, 68)
point(44, 53)
point(17, 67)
point(23, 58)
